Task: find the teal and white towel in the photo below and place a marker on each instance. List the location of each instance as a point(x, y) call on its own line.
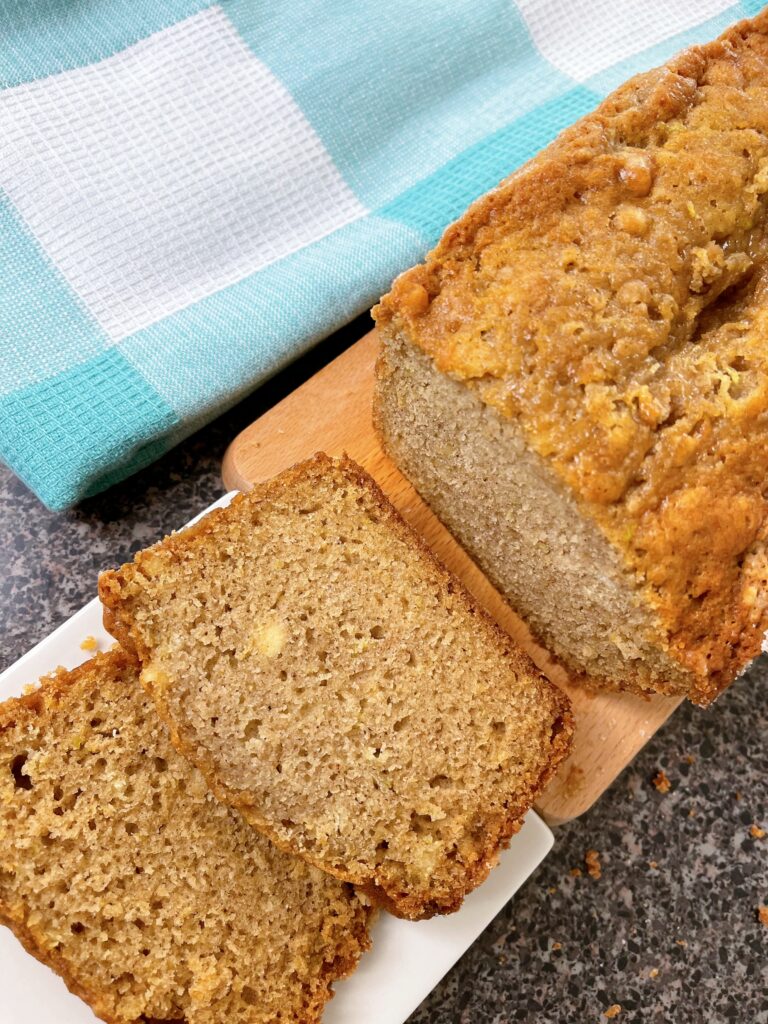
point(191, 194)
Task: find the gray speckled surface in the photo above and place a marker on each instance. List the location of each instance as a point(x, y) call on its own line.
point(567, 947)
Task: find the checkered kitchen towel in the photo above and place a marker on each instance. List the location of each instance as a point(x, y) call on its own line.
point(191, 193)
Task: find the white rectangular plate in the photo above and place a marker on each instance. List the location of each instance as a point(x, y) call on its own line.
point(407, 959)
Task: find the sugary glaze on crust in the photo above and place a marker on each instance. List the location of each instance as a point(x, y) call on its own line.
point(610, 296)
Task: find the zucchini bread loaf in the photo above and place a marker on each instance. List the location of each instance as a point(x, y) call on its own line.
point(576, 379)
point(340, 688)
point(120, 870)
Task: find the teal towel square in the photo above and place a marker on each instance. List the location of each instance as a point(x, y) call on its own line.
point(191, 194)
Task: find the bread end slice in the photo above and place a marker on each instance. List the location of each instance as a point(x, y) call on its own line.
point(520, 524)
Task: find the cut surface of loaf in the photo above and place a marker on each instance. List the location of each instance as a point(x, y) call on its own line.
point(607, 305)
point(156, 903)
point(340, 688)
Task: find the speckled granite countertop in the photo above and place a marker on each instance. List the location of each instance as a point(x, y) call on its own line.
point(668, 932)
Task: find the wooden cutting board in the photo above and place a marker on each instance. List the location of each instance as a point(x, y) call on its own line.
point(331, 412)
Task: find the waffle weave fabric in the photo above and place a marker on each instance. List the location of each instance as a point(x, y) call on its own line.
point(192, 194)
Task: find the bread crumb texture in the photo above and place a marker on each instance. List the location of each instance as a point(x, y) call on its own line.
point(610, 297)
point(762, 915)
point(340, 687)
point(592, 861)
point(613, 1011)
point(661, 782)
point(121, 871)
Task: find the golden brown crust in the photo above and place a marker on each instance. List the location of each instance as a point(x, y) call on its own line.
point(56, 684)
point(358, 942)
point(611, 297)
point(414, 905)
point(57, 964)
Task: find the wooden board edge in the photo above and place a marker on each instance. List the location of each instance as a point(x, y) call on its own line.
point(567, 797)
point(231, 473)
point(356, 362)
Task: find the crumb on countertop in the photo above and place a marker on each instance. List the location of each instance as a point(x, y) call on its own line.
point(592, 860)
point(689, 759)
point(652, 864)
point(89, 644)
point(576, 872)
point(654, 972)
point(574, 780)
point(613, 1011)
point(681, 942)
point(661, 782)
point(556, 945)
point(552, 890)
point(762, 915)
point(756, 832)
point(738, 794)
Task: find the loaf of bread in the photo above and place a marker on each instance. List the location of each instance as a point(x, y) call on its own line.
point(340, 688)
point(154, 902)
point(576, 379)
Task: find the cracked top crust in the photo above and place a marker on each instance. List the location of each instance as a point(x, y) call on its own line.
point(610, 296)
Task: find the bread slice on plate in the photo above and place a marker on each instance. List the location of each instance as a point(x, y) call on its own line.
point(338, 686)
point(121, 871)
point(576, 378)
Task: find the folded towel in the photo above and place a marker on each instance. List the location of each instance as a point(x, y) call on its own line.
point(191, 194)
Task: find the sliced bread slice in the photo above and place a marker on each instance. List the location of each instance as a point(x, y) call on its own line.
point(340, 687)
point(121, 871)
